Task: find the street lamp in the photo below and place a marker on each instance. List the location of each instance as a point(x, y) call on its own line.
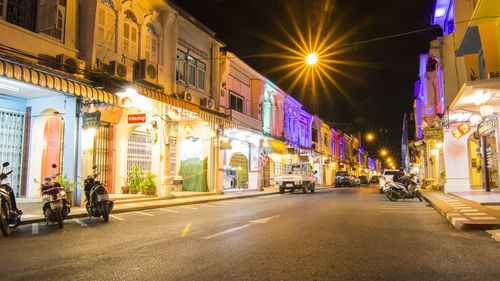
point(369, 137)
point(383, 152)
point(312, 59)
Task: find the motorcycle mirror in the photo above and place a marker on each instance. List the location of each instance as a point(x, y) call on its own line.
point(94, 167)
point(54, 166)
point(5, 164)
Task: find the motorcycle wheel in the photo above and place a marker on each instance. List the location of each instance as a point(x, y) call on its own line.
point(313, 187)
point(105, 213)
point(304, 188)
point(282, 190)
point(391, 195)
point(418, 195)
point(4, 219)
point(59, 218)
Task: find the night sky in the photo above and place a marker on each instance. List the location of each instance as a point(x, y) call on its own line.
point(378, 81)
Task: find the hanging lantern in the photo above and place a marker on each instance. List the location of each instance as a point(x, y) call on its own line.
point(213, 133)
point(464, 128)
point(456, 133)
point(486, 110)
point(188, 129)
point(475, 119)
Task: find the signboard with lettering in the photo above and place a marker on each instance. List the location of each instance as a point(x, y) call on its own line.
point(136, 118)
point(278, 147)
point(91, 120)
point(433, 133)
point(488, 124)
point(111, 114)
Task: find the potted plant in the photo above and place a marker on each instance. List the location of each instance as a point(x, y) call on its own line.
point(67, 186)
point(148, 185)
point(493, 176)
point(125, 189)
point(134, 179)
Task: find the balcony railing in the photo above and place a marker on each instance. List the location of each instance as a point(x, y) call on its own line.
point(244, 119)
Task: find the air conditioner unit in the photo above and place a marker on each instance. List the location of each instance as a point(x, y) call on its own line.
point(121, 70)
point(71, 65)
point(148, 72)
point(208, 103)
point(184, 96)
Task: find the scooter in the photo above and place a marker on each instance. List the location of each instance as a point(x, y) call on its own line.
point(7, 215)
point(97, 198)
point(56, 206)
point(406, 188)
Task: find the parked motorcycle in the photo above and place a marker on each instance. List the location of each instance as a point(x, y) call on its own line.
point(8, 216)
point(56, 206)
point(407, 188)
point(96, 197)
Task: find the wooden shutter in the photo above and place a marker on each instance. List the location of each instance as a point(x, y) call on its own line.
point(46, 15)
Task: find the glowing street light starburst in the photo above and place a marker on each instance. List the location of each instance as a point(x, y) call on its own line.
point(312, 59)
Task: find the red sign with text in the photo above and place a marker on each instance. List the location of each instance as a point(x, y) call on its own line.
point(137, 118)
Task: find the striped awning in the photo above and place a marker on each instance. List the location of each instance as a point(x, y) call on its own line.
point(152, 94)
point(216, 119)
point(53, 82)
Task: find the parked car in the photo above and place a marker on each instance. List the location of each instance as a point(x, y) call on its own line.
point(363, 179)
point(342, 178)
point(387, 176)
point(374, 179)
point(357, 181)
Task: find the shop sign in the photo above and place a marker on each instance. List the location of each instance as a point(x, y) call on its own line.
point(433, 133)
point(111, 114)
point(278, 148)
point(488, 124)
point(304, 158)
point(137, 118)
point(428, 114)
point(91, 120)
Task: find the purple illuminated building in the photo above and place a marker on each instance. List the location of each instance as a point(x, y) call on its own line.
point(305, 120)
point(291, 108)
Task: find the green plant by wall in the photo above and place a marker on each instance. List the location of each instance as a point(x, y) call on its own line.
point(148, 185)
point(134, 178)
point(65, 183)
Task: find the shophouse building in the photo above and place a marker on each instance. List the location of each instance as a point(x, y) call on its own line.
point(42, 84)
point(240, 165)
point(160, 62)
point(455, 105)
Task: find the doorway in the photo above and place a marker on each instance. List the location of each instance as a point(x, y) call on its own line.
point(52, 146)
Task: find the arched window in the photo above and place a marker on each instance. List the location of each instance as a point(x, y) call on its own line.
point(151, 44)
point(130, 35)
point(106, 25)
point(55, 30)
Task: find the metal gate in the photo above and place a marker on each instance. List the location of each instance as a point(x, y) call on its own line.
point(11, 145)
point(139, 151)
point(101, 153)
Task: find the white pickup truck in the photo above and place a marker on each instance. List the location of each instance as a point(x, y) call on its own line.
point(299, 176)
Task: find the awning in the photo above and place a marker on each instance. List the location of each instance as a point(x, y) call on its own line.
point(471, 43)
point(45, 80)
point(474, 94)
point(152, 94)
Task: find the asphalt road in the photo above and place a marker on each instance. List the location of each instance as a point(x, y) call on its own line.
point(333, 234)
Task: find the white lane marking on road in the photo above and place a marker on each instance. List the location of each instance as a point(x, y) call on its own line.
point(167, 210)
point(117, 218)
point(263, 220)
point(453, 220)
point(227, 231)
point(495, 234)
point(466, 211)
point(187, 207)
point(81, 223)
point(34, 228)
point(463, 208)
point(477, 214)
point(145, 214)
point(409, 212)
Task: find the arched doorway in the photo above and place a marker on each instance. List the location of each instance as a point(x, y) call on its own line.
point(52, 145)
point(239, 162)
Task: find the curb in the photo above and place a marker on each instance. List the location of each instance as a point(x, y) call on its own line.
point(149, 207)
point(458, 221)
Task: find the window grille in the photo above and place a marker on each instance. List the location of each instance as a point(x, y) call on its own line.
point(139, 151)
point(11, 146)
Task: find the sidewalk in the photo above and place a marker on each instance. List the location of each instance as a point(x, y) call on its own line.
point(466, 210)
point(32, 208)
